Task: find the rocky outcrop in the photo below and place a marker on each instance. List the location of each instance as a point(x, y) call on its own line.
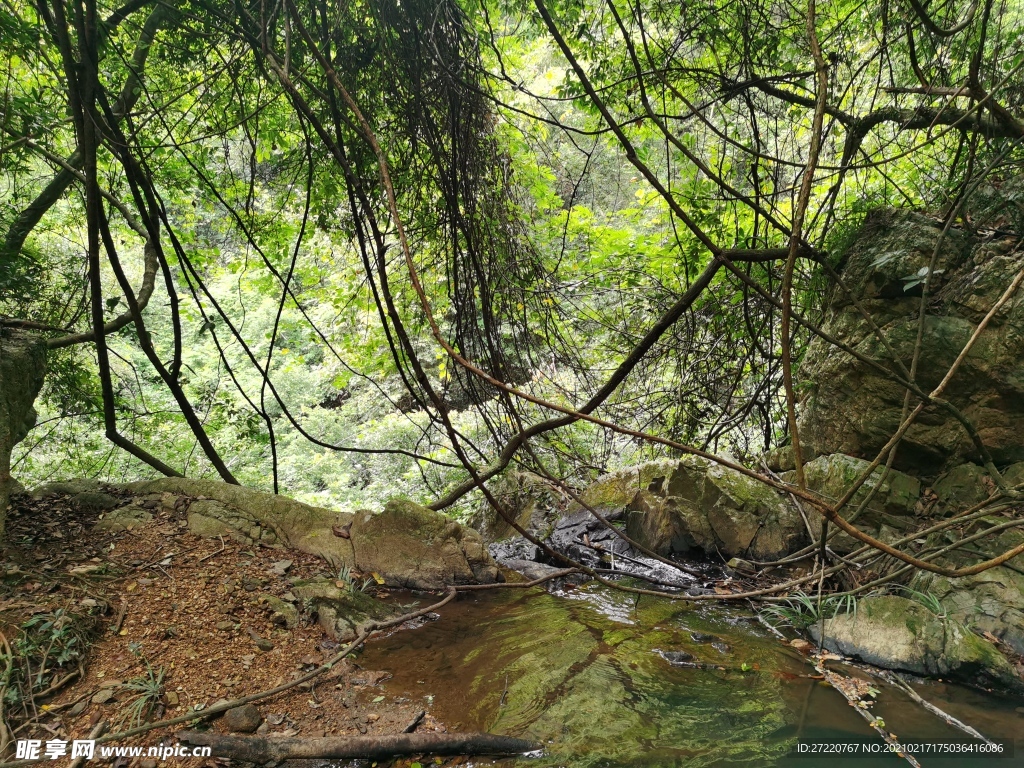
point(898, 633)
point(849, 407)
point(713, 509)
point(686, 507)
point(22, 368)
point(415, 547)
point(405, 544)
point(991, 601)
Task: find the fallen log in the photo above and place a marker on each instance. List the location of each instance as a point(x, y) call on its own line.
point(255, 749)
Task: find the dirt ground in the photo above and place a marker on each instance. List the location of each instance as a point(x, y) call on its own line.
point(150, 623)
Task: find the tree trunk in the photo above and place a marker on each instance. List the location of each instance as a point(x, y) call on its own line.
point(22, 368)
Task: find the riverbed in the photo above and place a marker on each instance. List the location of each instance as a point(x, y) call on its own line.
point(586, 672)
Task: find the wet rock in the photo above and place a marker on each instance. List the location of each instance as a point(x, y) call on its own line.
point(244, 719)
point(677, 657)
point(702, 637)
point(341, 612)
point(898, 633)
point(529, 569)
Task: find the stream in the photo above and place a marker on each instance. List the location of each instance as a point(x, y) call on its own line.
point(583, 672)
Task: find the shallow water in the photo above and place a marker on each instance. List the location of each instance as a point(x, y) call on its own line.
point(581, 672)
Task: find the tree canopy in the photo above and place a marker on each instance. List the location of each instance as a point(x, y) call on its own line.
point(348, 249)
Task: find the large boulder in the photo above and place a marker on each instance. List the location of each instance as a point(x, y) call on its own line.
point(415, 547)
point(891, 506)
point(698, 505)
point(849, 407)
point(991, 601)
point(22, 369)
point(899, 633)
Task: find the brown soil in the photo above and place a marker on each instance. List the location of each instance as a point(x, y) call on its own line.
point(161, 600)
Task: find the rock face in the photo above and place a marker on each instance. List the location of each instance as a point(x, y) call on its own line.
point(898, 633)
point(22, 368)
point(415, 547)
point(849, 407)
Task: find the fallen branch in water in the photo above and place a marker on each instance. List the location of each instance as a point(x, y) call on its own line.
point(837, 682)
point(945, 716)
point(255, 749)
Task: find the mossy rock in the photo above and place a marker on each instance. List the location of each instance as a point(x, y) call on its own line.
point(411, 546)
point(342, 612)
point(892, 502)
point(962, 487)
point(898, 633)
point(249, 515)
point(124, 519)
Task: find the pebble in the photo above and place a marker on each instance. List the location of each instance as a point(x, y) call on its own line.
point(103, 696)
point(171, 697)
point(801, 645)
point(677, 657)
point(225, 625)
point(243, 719)
point(281, 567)
point(263, 645)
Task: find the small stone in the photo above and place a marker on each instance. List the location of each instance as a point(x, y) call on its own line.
point(280, 568)
point(243, 719)
point(79, 708)
point(263, 730)
point(263, 644)
point(275, 719)
point(801, 645)
point(110, 683)
point(171, 697)
point(103, 696)
point(677, 657)
point(721, 647)
point(225, 625)
point(702, 637)
point(372, 718)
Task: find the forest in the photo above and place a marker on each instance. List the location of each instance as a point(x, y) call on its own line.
point(646, 363)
